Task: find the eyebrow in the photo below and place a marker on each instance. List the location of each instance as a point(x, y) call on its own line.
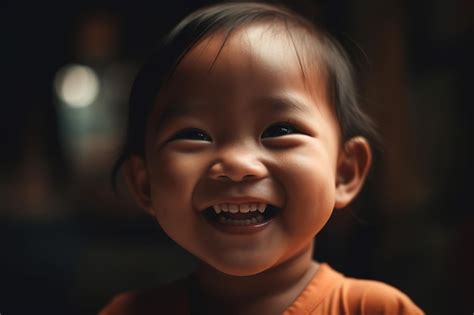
point(285, 103)
point(272, 103)
point(177, 109)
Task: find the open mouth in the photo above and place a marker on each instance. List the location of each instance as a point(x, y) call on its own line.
point(240, 215)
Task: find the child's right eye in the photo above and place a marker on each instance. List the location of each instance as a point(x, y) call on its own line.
point(279, 130)
point(191, 134)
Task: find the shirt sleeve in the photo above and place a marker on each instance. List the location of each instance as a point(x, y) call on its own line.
point(373, 297)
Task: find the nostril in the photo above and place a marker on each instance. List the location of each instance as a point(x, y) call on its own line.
point(249, 177)
point(223, 177)
point(234, 178)
point(237, 169)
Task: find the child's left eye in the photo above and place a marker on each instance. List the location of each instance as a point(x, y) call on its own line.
point(278, 130)
point(191, 134)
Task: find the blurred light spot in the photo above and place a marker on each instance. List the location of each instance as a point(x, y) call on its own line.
point(76, 85)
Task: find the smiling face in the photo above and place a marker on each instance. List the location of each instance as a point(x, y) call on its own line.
point(245, 128)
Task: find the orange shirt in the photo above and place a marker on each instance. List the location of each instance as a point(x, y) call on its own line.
point(328, 293)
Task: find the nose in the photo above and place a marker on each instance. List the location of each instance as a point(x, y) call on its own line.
point(237, 164)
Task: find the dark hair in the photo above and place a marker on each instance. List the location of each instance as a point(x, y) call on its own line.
point(227, 18)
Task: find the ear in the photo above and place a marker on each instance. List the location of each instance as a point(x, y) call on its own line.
point(136, 177)
point(352, 169)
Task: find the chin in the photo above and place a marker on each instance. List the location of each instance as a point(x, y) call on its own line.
point(240, 272)
point(240, 267)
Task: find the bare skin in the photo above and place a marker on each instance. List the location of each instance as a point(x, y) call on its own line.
point(244, 127)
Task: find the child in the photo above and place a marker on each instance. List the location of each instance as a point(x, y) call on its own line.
point(244, 135)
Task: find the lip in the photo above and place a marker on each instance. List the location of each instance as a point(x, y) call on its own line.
point(240, 230)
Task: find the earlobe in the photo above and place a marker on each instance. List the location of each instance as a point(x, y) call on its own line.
point(136, 177)
point(353, 166)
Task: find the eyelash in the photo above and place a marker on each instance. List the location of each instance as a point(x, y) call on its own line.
point(191, 134)
point(199, 135)
point(286, 126)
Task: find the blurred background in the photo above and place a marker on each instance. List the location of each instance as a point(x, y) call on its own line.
point(68, 244)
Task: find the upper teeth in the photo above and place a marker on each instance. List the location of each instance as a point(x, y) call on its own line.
point(243, 207)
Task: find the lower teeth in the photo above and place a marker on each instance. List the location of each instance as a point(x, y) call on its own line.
point(257, 219)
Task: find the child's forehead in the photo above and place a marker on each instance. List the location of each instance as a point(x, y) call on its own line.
point(242, 73)
point(254, 53)
point(260, 40)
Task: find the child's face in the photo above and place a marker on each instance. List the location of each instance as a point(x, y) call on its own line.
point(261, 132)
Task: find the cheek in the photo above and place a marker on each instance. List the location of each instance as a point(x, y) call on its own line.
point(310, 188)
point(172, 180)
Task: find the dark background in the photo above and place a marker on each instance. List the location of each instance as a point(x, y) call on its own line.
point(68, 243)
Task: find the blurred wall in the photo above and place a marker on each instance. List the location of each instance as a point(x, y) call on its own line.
point(69, 243)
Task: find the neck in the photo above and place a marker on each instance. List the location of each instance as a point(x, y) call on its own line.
point(271, 291)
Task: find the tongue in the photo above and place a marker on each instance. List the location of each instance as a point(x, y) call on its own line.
point(241, 216)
